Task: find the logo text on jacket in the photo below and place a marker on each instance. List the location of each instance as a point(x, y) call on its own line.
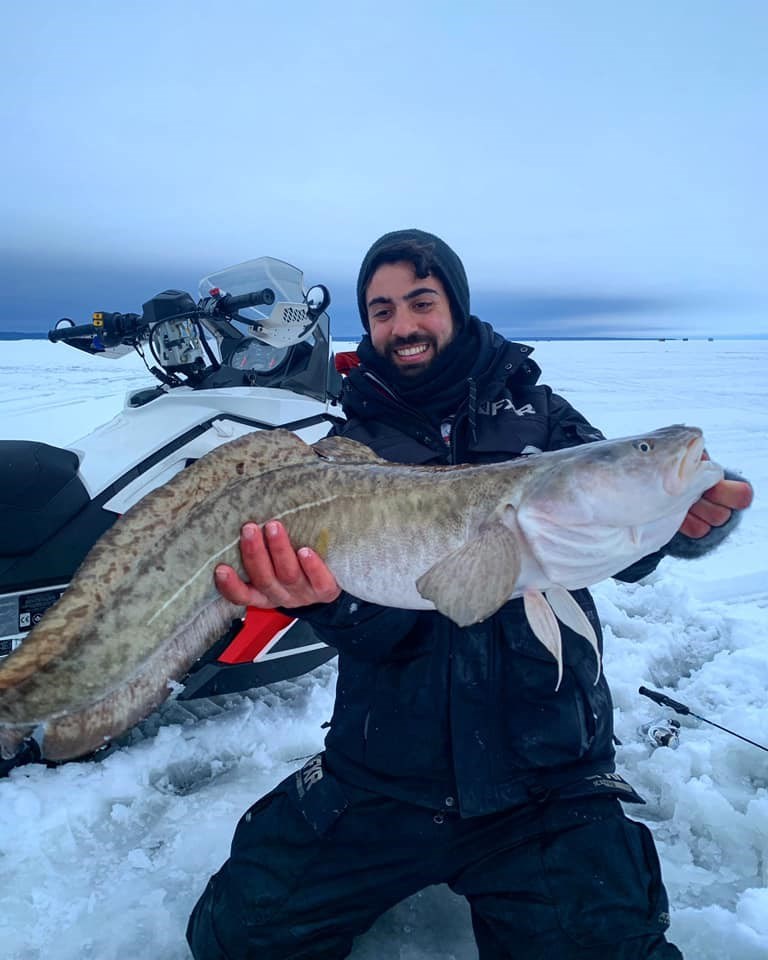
point(491, 407)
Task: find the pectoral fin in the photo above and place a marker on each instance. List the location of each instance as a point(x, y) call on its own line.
point(545, 627)
point(474, 581)
point(570, 613)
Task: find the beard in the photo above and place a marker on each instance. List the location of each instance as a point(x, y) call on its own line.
point(415, 369)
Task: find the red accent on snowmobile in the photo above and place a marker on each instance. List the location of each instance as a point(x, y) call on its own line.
point(346, 360)
point(258, 631)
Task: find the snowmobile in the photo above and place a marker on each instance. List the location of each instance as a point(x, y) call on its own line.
point(254, 352)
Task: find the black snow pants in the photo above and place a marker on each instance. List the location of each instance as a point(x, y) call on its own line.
point(315, 862)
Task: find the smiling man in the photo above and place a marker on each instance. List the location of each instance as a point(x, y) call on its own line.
point(409, 322)
point(451, 756)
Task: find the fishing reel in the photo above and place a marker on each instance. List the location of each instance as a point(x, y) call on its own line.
point(664, 732)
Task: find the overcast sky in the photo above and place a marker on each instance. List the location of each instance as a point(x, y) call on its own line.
point(599, 166)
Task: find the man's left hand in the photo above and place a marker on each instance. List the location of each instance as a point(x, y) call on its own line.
point(715, 506)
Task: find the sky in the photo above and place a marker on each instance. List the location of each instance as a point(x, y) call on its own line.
point(599, 167)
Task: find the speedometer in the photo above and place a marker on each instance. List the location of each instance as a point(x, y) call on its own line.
point(254, 355)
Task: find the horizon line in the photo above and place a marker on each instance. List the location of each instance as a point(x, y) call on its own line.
point(43, 335)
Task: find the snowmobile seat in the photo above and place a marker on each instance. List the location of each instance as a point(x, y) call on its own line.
point(40, 490)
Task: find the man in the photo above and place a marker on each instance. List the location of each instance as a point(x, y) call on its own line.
point(451, 758)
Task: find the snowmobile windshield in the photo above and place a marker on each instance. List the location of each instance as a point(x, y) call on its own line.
point(261, 342)
point(282, 278)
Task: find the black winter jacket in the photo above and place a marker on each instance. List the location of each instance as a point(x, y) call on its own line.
point(465, 718)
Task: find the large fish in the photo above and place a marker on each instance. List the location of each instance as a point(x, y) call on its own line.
point(463, 540)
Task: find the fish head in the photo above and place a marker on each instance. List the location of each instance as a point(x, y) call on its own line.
point(662, 473)
point(590, 511)
point(629, 481)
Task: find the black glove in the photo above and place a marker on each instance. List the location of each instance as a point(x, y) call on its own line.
point(689, 548)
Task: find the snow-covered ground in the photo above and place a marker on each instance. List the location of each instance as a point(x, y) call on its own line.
point(105, 860)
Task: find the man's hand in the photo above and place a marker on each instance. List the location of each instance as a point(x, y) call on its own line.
point(278, 575)
point(715, 506)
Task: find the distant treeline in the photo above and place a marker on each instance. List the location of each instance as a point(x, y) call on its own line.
point(25, 335)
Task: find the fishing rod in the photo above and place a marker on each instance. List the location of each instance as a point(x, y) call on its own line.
point(685, 711)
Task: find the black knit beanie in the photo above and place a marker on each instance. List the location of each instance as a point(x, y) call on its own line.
point(428, 254)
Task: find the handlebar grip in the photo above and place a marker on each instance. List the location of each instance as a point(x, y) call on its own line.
point(71, 333)
point(665, 701)
point(231, 303)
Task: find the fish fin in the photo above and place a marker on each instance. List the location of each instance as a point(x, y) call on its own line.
point(344, 450)
point(254, 453)
point(474, 581)
point(545, 627)
point(570, 613)
point(265, 449)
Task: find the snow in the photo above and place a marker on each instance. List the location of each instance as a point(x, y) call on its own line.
point(105, 860)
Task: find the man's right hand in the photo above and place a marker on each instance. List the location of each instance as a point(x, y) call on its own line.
point(278, 575)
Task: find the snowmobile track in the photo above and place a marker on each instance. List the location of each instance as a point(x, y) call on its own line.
point(177, 712)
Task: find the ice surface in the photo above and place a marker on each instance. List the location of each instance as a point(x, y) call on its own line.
point(105, 860)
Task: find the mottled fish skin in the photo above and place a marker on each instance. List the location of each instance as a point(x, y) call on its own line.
point(142, 607)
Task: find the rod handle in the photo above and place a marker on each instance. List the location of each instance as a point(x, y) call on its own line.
point(664, 700)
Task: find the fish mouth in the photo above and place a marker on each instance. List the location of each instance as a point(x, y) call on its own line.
point(693, 458)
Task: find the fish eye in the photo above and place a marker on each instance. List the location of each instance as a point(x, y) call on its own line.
point(644, 446)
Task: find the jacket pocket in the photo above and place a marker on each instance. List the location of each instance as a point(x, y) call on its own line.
point(541, 726)
point(545, 729)
point(317, 796)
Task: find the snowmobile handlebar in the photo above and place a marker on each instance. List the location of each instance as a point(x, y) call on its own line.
point(126, 328)
point(111, 328)
point(71, 332)
point(231, 303)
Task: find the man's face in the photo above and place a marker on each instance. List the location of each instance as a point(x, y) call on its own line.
point(409, 317)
